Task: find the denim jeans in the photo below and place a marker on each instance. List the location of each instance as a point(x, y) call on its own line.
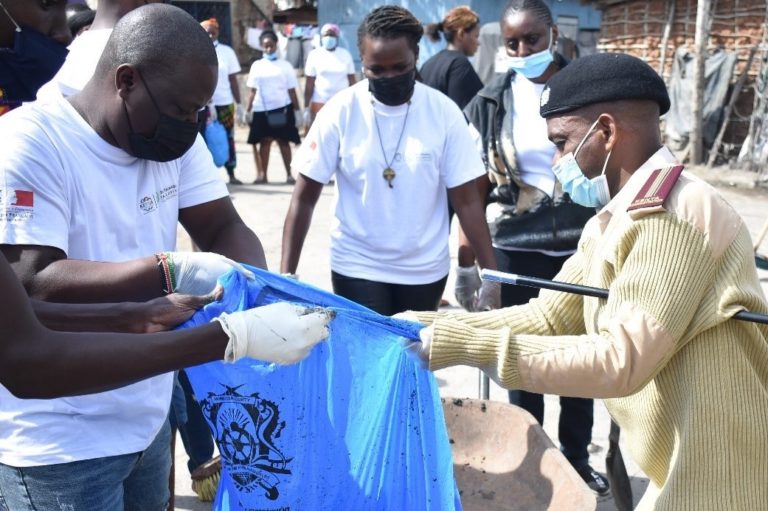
point(129, 482)
point(195, 433)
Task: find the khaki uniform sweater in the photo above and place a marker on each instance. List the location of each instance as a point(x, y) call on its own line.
point(687, 384)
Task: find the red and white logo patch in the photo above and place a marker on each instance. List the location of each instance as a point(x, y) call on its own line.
point(23, 199)
point(16, 205)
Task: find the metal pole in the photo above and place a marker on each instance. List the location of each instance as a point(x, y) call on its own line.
point(484, 386)
point(521, 280)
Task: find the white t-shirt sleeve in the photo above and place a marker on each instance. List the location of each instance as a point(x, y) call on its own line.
point(461, 162)
point(199, 180)
point(310, 68)
point(34, 209)
point(318, 156)
point(233, 65)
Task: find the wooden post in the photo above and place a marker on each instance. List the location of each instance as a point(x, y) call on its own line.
point(665, 39)
point(700, 43)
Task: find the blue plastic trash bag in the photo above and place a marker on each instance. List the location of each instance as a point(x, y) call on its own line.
point(215, 136)
point(356, 426)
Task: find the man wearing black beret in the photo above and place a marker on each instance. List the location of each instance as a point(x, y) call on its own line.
point(687, 383)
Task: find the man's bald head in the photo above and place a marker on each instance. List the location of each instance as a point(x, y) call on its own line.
point(158, 69)
point(158, 40)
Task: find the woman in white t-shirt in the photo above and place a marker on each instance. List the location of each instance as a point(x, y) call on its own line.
point(329, 69)
point(274, 103)
point(395, 147)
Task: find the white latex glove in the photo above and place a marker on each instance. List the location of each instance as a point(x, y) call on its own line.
point(489, 297)
point(307, 116)
point(299, 118)
point(406, 316)
point(240, 114)
point(283, 333)
point(197, 272)
point(420, 350)
point(467, 283)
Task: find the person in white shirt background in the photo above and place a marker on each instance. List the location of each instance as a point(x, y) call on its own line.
point(329, 69)
point(275, 106)
point(395, 147)
point(84, 52)
point(226, 97)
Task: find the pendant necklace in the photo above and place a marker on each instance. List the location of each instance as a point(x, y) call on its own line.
point(389, 173)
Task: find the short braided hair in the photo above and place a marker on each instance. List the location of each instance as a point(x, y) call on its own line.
point(536, 7)
point(391, 22)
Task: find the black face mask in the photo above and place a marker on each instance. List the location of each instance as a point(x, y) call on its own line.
point(395, 90)
point(33, 62)
point(171, 140)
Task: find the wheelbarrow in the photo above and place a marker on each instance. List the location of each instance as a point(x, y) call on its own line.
point(504, 461)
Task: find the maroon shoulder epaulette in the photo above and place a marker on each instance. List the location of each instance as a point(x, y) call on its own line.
point(657, 188)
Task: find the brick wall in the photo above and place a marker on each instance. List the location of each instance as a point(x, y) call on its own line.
point(637, 27)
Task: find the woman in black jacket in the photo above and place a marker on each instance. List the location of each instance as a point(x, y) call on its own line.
point(534, 225)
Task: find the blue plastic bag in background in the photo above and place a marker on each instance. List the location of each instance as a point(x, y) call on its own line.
point(215, 136)
point(356, 426)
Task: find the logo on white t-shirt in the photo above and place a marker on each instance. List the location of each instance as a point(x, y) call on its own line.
point(150, 203)
point(17, 205)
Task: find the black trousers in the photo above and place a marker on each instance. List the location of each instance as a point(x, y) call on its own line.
point(388, 299)
point(576, 414)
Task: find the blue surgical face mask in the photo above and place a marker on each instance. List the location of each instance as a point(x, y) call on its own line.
point(534, 65)
point(271, 56)
point(329, 42)
point(590, 193)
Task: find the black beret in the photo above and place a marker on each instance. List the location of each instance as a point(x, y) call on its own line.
point(600, 78)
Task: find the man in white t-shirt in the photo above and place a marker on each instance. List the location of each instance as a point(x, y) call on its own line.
point(395, 147)
point(84, 53)
point(329, 69)
point(106, 176)
point(226, 97)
